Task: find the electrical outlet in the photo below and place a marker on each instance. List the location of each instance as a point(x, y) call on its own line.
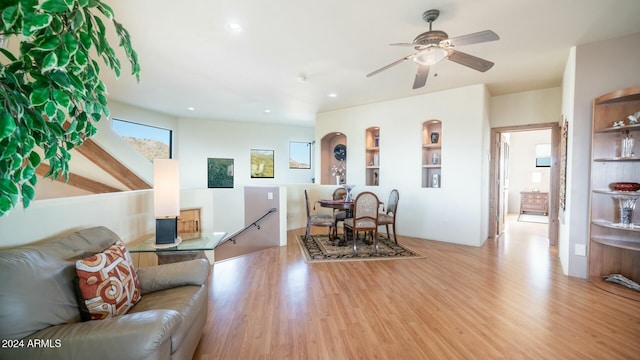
point(581, 250)
point(269, 195)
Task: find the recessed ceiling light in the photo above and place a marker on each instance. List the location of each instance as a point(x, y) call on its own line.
point(232, 26)
point(190, 108)
point(332, 95)
point(267, 111)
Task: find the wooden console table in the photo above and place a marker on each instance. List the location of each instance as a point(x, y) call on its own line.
point(535, 202)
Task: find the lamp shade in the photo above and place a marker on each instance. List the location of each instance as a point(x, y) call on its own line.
point(536, 177)
point(166, 188)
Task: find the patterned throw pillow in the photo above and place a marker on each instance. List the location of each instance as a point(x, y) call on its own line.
point(107, 283)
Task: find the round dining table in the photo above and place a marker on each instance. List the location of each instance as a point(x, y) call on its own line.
point(340, 204)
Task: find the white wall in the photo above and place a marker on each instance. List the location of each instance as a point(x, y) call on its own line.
point(568, 96)
point(199, 140)
point(522, 158)
point(528, 107)
point(456, 212)
point(600, 68)
point(129, 214)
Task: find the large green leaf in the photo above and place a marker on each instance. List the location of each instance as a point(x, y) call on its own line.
point(54, 6)
point(61, 98)
point(10, 145)
point(70, 43)
point(39, 96)
point(47, 43)
point(5, 204)
point(63, 57)
point(28, 193)
point(85, 40)
point(27, 172)
point(50, 109)
point(81, 58)
point(8, 187)
point(8, 54)
point(7, 124)
point(40, 21)
point(106, 10)
point(50, 62)
point(16, 161)
point(34, 159)
point(51, 152)
point(9, 16)
point(61, 79)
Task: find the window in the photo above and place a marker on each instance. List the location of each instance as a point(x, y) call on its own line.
point(543, 155)
point(152, 142)
point(299, 155)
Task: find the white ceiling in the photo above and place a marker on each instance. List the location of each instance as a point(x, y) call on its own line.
point(188, 59)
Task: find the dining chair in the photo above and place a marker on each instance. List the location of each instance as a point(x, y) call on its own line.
point(389, 218)
point(338, 215)
point(324, 220)
point(365, 218)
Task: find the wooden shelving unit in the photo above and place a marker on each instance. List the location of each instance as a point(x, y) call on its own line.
point(432, 154)
point(614, 248)
point(372, 157)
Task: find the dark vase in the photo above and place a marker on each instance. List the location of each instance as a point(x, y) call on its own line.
point(435, 136)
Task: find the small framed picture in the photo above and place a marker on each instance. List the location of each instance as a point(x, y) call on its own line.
point(262, 164)
point(219, 173)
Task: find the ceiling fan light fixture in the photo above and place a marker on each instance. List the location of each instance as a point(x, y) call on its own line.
point(233, 27)
point(431, 55)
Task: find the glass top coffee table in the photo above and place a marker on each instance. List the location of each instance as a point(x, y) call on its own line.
point(192, 248)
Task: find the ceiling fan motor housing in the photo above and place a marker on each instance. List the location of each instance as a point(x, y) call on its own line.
point(433, 37)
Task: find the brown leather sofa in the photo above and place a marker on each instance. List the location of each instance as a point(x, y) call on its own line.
point(40, 318)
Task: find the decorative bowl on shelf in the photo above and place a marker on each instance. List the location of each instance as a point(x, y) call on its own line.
point(625, 186)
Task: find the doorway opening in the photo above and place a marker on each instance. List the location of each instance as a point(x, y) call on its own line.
point(524, 177)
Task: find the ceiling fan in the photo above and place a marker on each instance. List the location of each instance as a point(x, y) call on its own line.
point(434, 46)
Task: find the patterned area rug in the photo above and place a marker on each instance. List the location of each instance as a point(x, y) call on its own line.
point(320, 249)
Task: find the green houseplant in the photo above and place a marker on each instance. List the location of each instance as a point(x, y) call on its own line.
point(50, 90)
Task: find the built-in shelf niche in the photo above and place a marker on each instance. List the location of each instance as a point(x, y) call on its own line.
point(614, 240)
point(432, 154)
point(372, 157)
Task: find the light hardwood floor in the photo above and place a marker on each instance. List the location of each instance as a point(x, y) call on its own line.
point(505, 300)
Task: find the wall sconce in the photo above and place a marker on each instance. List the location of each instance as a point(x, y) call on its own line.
point(166, 200)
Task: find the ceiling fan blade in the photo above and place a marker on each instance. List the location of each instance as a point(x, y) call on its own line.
point(479, 37)
point(404, 44)
point(421, 76)
point(469, 60)
point(390, 65)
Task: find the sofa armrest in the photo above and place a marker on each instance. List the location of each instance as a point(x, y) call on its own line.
point(154, 278)
point(131, 336)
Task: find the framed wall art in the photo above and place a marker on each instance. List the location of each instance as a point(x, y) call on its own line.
point(219, 173)
point(262, 164)
point(563, 163)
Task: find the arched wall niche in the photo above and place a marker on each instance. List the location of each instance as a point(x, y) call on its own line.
point(331, 167)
